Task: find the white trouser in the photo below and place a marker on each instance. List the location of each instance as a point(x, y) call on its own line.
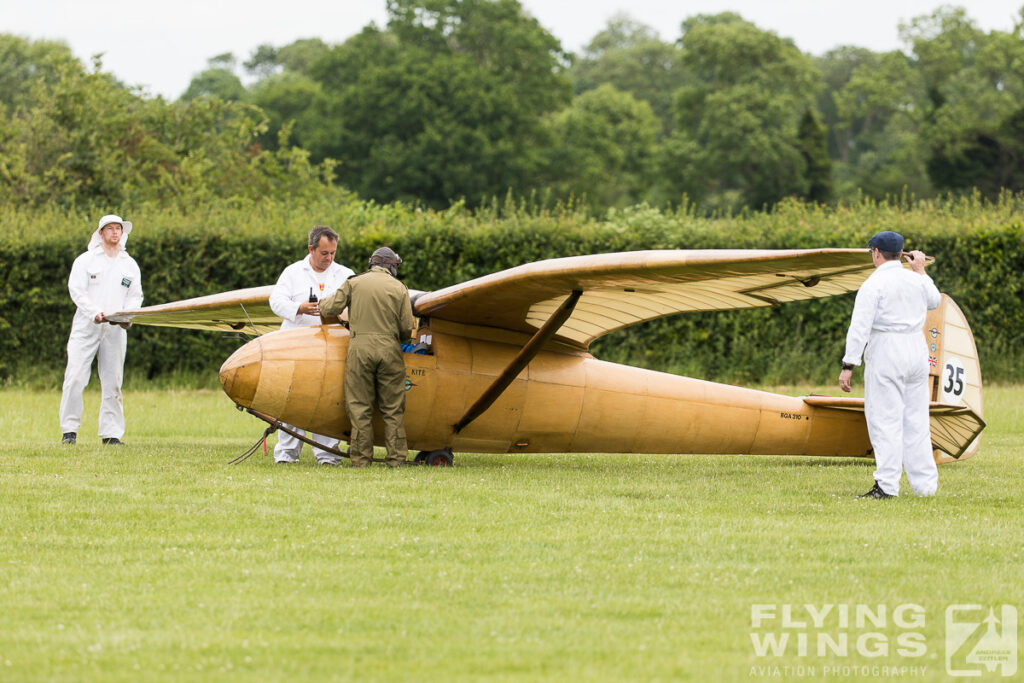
point(896, 407)
point(288, 447)
point(106, 343)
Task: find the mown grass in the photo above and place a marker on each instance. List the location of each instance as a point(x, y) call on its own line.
point(162, 562)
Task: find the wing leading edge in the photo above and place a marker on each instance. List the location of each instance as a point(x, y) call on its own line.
point(623, 289)
point(619, 289)
point(242, 309)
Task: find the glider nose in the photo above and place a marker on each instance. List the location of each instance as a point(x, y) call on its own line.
point(240, 373)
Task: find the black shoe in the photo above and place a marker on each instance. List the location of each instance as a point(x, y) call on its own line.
point(69, 438)
point(876, 492)
point(112, 441)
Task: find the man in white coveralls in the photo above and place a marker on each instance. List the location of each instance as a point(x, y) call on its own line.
point(103, 280)
point(296, 299)
point(886, 327)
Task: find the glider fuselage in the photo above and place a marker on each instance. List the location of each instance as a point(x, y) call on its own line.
point(565, 400)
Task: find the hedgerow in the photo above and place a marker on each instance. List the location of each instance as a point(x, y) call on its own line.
point(210, 248)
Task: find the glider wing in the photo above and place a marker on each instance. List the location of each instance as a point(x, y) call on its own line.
point(623, 289)
point(245, 310)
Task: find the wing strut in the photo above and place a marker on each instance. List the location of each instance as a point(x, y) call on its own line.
point(522, 359)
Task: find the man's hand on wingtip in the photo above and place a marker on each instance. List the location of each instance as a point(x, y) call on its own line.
point(916, 260)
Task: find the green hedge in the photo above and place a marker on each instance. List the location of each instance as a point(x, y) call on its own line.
point(978, 248)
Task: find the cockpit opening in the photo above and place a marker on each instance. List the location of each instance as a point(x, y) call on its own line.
point(423, 343)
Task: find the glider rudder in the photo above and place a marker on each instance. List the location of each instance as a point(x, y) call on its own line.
point(955, 371)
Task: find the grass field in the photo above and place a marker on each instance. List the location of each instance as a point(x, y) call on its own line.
point(162, 562)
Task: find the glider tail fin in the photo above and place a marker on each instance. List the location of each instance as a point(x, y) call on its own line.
point(957, 409)
point(955, 377)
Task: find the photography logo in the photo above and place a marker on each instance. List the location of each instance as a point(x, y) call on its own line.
point(981, 640)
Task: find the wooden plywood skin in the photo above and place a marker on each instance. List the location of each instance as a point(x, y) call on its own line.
point(573, 403)
point(561, 402)
point(297, 376)
point(662, 413)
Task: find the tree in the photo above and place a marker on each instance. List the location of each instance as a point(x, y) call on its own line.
point(603, 148)
point(289, 98)
point(818, 167)
point(84, 141)
point(25, 62)
point(738, 121)
point(944, 43)
point(498, 38)
point(445, 104)
point(217, 80)
point(300, 55)
point(1012, 134)
point(987, 161)
point(285, 91)
point(215, 83)
point(630, 57)
point(975, 84)
point(263, 62)
point(879, 113)
point(837, 67)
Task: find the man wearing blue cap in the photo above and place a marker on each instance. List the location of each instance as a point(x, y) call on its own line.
point(886, 327)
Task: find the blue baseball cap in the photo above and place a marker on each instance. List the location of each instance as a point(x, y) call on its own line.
point(887, 240)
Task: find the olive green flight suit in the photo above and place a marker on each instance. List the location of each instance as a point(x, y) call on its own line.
point(380, 319)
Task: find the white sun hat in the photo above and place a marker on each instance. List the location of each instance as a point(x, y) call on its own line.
point(96, 240)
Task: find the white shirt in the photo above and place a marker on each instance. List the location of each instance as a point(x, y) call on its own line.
point(100, 283)
point(893, 299)
point(293, 288)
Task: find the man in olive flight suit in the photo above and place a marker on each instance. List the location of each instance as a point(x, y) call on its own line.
point(380, 319)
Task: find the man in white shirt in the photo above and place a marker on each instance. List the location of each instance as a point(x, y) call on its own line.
point(886, 327)
point(104, 279)
point(295, 298)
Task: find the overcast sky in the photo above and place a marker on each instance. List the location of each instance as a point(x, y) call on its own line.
point(162, 45)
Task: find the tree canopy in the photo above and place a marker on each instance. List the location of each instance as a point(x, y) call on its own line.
point(446, 104)
point(465, 100)
point(78, 138)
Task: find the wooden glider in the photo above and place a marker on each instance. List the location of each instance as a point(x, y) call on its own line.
point(508, 368)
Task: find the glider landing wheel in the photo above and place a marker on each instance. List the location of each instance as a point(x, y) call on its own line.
point(442, 457)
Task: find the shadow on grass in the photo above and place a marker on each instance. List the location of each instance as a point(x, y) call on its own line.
point(716, 465)
point(593, 461)
point(775, 461)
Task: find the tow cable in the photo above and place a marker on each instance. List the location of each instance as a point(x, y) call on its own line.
point(278, 425)
point(262, 440)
